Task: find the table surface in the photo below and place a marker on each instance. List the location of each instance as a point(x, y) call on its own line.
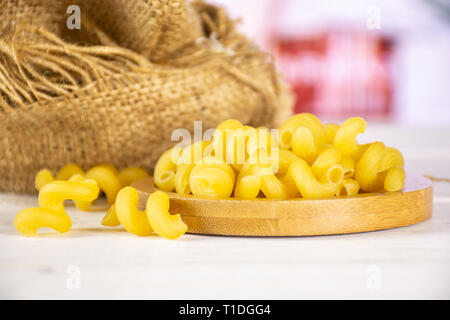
point(94, 262)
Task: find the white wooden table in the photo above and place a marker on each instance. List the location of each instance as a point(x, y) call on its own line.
point(95, 262)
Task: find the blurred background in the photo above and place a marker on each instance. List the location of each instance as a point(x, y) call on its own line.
point(384, 60)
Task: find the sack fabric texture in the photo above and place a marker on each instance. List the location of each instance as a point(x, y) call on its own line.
point(114, 90)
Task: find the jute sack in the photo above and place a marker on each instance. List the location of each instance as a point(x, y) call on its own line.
point(115, 90)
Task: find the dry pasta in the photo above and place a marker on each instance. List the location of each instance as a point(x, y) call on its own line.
point(165, 170)
point(312, 160)
point(330, 130)
point(132, 219)
point(306, 120)
point(349, 187)
point(304, 145)
point(221, 134)
point(380, 168)
point(50, 212)
point(163, 223)
point(346, 135)
point(308, 184)
point(129, 175)
point(212, 178)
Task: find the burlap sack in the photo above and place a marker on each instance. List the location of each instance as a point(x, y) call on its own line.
point(115, 90)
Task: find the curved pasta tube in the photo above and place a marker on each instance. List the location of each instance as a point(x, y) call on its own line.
point(304, 145)
point(394, 179)
point(107, 181)
point(194, 153)
point(273, 188)
point(349, 165)
point(392, 158)
point(367, 168)
point(286, 158)
point(261, 139)
point(345, 138)
point(238, 145)
point(212, 178)
point(165, 170)
point(110, 219)
point(166, 225)
point(69, 170)
point(248, 184)
point(308, 184)
point(42, 178)
point(132, 219)
point(349, 187)
point(329, 157)
point(220, 137)
point(129, 175)
point(307, 120)
point(182, 178)
point(380, 168)
point(330, 130)
point(51, 211)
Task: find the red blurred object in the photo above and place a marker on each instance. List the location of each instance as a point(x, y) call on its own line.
point(338, 73)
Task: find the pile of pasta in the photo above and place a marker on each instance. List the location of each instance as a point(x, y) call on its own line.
point(72, 183)
point(304, 159)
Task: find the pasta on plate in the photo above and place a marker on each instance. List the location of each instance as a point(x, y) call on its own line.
point(305, 159)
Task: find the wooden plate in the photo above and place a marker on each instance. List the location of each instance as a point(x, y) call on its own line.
point(301, 217)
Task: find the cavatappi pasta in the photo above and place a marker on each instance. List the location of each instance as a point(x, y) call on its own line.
point(307, 159)
point(51, 213)
point(84, 188)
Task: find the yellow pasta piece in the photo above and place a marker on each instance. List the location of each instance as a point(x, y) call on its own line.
point(129, 175)
point(42, 178)
point(248, 187)
point(51, 211)
point(349, 187)
point(367, 169)
point(166, 225)
point(107, 181)
point(345, 138)
point(306, 120)
point(394, 179)
point(165, 170)
point(182, 178)
point(331, 129)
point(305, 146)
point(220, 137)
point(378, 163)
point(286, 158)
point(308, 184)
point(238, 145)
point(212, 178)
point(273, 188)
point(132, 219)
point(349, 165)
point(69, 170)
point(333, 175)
point(261, 139)
point(248, 182)
point(290, 186)
point(110, 219)
point(392, 158)
point(194, 153)
point(327, 158)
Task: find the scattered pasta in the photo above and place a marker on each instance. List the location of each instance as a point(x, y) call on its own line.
point(155, 218)
point(109, 179)
point(50, 212)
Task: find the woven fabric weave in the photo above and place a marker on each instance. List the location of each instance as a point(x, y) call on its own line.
point(115, 90)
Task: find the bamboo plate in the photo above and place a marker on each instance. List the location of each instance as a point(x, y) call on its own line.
point(301, 217)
